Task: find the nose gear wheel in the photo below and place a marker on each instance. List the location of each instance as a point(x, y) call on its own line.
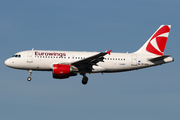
point(30, 73)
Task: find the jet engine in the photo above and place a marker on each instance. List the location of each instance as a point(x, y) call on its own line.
point(61, 71)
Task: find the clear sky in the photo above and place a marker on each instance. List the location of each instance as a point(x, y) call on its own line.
point(93, 25)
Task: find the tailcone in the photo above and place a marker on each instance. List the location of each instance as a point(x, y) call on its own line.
point(168, 59)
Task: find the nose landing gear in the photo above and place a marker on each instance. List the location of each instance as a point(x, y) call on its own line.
point(30, 73)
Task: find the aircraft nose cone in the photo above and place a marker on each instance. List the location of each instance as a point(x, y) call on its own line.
point(7, 62)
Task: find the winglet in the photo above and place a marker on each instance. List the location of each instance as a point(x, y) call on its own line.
point(108, 52)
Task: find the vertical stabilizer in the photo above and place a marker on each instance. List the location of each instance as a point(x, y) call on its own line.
point(157, 42)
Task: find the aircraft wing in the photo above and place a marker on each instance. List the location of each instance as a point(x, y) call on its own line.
point(87, 63)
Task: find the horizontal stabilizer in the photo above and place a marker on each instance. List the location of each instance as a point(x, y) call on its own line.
point(158, 58)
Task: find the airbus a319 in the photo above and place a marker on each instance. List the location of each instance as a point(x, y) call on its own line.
point(65, 64)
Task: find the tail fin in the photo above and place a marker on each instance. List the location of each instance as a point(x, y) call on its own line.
point(157, 42)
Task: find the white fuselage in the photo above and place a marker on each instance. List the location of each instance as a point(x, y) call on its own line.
point(115, 62)
point(68, 63)
point(64, 64)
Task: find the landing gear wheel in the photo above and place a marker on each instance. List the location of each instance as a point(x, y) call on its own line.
point(29, 78)
point(84, 80)
point(30, 73)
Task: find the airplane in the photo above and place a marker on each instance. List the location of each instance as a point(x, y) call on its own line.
point(65, 64)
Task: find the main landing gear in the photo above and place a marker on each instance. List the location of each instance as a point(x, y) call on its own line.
point(30, 73)
point(85, 79)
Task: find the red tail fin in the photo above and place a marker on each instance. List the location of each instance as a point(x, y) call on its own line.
point(157, 42)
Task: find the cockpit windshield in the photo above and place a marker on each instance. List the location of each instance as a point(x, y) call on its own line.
point(18, 56)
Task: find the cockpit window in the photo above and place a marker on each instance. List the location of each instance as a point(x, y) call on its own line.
point(18, 56)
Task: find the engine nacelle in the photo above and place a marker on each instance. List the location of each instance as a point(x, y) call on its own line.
point(61, 71)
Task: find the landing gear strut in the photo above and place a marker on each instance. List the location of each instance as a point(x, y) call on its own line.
point(30, 73)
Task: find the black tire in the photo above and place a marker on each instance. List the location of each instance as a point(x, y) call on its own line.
point(29, 79)
point(84, 80)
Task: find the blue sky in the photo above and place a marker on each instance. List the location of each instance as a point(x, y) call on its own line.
point(96, 25)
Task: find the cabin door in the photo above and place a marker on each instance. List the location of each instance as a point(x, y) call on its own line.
point(30, 56)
